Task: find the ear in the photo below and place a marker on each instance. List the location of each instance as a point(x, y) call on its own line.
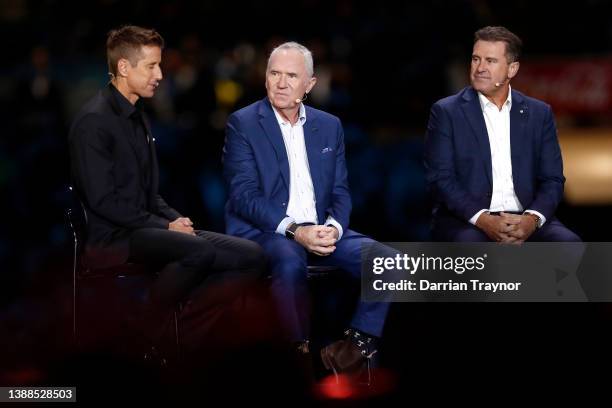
point(311, 83)
point(513, 69)
point(122, 67)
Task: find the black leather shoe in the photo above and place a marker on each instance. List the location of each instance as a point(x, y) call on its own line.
point(352, 356)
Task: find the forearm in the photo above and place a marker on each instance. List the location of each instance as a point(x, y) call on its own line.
point(440, 164)
point(258, 210)
point(164, 210)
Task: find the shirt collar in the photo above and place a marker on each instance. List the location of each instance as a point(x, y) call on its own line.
point(125, 107)
point(484, 102)
point(301, 116)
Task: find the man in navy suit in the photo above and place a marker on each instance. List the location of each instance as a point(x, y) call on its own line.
point(492, 156)
point(285, 168)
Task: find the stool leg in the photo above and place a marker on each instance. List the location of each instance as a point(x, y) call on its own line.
point(74, 294)
point(176, 335)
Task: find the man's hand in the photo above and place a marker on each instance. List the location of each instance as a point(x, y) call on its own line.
point(331, 231)
point(524, 225)
point(498, 228)
point(182, 224)
point(318, 239)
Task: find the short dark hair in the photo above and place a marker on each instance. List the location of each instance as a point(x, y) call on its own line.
point(126, 42)
point(514, 44)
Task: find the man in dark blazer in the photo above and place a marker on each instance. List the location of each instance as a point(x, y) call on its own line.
point(115, 172)
point(492, 157)
point(285, 168)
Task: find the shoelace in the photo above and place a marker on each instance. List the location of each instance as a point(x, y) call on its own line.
point(361, 341)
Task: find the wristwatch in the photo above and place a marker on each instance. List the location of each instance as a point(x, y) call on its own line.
point(290, 231)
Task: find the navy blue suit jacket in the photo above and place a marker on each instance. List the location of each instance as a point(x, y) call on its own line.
point(256, 169)
point(458, 156)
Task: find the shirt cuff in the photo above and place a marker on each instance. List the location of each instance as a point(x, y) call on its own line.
point(282, 227)
point(542, 218)
point(331, 221)
point(475, 217)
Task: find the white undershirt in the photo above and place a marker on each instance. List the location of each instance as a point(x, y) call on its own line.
point(503, 196)
point(302, 205)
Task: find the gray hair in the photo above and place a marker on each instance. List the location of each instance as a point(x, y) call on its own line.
point(292, 45)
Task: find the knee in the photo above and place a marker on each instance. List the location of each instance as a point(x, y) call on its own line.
point(253, 257)
point(200, 256)
point(470, 235)
point(556, 232)
point(571, 236)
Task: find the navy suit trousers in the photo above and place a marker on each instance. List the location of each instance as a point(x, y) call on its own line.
point(289, 262)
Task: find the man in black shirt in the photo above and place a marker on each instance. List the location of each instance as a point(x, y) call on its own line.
point(115, 173)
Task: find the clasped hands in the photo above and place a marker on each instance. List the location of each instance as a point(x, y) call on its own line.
point(318, 239)
point(507, 228)
point(182, 224)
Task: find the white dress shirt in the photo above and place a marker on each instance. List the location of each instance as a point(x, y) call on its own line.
point(503, 196)
point(302, 205)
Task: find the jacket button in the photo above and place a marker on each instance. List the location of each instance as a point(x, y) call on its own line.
point(284, 204)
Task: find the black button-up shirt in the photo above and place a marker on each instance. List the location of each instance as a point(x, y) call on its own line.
point(140, 135)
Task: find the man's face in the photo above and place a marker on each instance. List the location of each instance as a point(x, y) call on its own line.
point(490, 66)
point(143, 78)
point(287, 79)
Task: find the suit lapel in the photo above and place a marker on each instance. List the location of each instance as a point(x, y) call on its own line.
point(272, 129)
point(518, 120)
point(473, 112)
point(313, 142)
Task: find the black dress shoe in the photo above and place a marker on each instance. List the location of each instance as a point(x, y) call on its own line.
point(352, 356)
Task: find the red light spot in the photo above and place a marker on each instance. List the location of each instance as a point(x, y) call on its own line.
point(23, 376)
point(355, 388)
point(336, 389)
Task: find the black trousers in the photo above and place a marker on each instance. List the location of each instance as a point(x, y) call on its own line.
point(207, 273)
point(186, 260)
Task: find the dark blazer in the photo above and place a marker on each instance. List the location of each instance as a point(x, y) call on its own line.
point(109, 176)
point(256, 169)
point(458, 156)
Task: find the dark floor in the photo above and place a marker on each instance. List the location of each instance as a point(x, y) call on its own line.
point(426, 347)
